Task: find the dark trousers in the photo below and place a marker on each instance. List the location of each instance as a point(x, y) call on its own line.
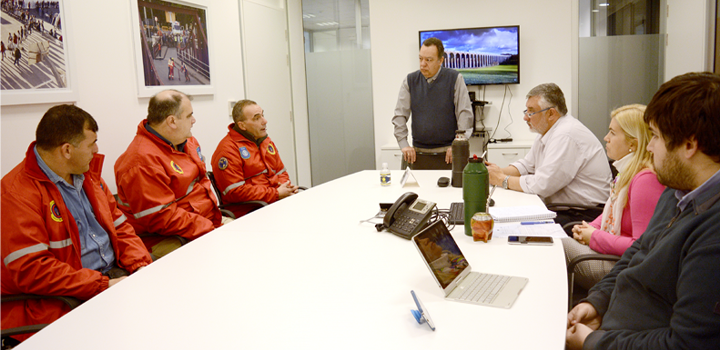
point(427, 161)
point(565, 216)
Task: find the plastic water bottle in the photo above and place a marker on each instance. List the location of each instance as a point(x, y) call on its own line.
point(460, 155)
point(385, 175)
point(476, 187)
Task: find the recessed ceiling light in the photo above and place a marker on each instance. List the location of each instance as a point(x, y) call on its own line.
point(595, 10)
point(309, 15)
point(604, 4)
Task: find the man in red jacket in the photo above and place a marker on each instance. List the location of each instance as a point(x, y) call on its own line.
point(161, 178)
point(247, 164)
point(62, 233)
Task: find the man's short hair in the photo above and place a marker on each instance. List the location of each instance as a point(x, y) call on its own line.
point(63, 124)
point(160, 108)
point(437, 43)
point(237, 112)
point(688, 106)
point(550, 96)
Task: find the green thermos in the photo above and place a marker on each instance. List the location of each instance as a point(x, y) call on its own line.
point(476, 187)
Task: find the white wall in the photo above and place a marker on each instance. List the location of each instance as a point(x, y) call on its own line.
point(688, 42)
point(107, 83)
point(105, 70)
point(545, 51)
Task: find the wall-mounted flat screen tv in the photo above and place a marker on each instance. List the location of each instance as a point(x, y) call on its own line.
point(484, 56)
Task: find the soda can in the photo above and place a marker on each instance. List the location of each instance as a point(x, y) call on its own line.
point(482, 227)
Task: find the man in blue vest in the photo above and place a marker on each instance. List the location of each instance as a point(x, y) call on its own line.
point(438, 101)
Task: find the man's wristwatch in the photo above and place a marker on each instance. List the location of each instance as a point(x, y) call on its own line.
point(505, 182)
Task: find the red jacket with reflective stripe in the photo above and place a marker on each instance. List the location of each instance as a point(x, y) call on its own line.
point(252, 174)
point(165, 191)
point(41, 245)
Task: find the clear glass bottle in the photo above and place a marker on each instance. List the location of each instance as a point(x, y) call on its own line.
point(385, 175)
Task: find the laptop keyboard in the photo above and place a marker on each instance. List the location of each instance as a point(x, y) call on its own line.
point(484, 288)
point(457, 213)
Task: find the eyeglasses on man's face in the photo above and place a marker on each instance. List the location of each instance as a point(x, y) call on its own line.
point(533, 113)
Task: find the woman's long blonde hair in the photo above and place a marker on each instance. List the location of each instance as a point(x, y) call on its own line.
point(630, 120)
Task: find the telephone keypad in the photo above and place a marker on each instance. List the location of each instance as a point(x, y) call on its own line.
point(407, 223)
point(411, 217)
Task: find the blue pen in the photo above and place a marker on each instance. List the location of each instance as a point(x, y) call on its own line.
point(536, 222)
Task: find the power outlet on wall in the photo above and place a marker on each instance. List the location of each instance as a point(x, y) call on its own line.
point(231, 104)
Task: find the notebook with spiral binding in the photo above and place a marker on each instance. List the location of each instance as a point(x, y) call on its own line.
point(522, 213)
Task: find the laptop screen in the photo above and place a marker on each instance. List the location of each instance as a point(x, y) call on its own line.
point(441, 253)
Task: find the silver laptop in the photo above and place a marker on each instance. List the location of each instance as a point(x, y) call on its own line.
point(453, 274)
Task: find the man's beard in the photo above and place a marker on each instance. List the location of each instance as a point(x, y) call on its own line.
point(541, 128)
point(675, 174)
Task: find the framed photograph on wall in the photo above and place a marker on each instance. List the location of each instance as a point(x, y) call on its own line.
point(172, 47)
point(37, 61)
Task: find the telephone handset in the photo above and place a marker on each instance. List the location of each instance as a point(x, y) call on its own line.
point(408, 215)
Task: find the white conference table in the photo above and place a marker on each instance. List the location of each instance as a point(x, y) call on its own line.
point(305, 273)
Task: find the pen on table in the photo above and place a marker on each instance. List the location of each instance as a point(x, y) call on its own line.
point(536, 222)
point(487, 205)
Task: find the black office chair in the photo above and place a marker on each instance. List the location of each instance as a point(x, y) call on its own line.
point(256, 204)
point(573, 211)
point(69, 301)
point(427, 161)
point(572, 298)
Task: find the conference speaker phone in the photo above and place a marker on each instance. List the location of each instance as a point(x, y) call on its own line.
point(407, 216)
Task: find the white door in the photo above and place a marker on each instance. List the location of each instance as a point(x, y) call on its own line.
point(267, 71)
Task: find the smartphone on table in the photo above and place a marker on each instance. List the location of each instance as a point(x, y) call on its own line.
point(530, 240)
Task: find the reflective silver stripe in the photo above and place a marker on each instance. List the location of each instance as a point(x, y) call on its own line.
point(233, 186)
point(22, 252)
point(36, 248)
point(120, 220)
point(120, 202)
point(260, 173)
point(151, 211)
point(60, 244)
point(281, 171)
point(156, 209)
point(192, 184)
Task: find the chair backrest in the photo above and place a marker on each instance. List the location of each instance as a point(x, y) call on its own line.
point(211, 176)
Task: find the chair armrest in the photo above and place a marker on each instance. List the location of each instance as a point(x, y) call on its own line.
point(23, 329)
point(566, 206)
point(586, 257)
point(255, 205)
point(227, 213)
point(258, 204)
point(70, 301)
point(571, 271)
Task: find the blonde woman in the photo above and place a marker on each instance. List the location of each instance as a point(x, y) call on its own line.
point(635, 192)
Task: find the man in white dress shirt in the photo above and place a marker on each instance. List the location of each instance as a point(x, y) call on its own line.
point(566, 164)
